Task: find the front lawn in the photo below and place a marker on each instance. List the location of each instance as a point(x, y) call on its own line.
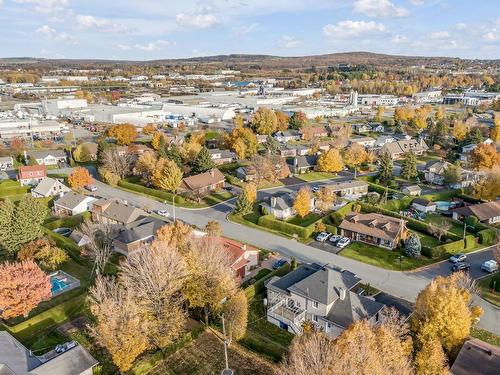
point(306, 220)
point(316, 176)
point(486, 336)
point(486, 288)
point(383, 258)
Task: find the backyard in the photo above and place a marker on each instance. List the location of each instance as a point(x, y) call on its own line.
point(489, 288)
point(316, 176)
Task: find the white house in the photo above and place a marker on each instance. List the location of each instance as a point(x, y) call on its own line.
point(424, 205)
point(73, 203)
point(51, 157)
point(49, 187)
point(363, 141)
point(281, 206)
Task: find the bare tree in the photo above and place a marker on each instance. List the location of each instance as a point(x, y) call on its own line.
point(155, 276)
point(100, 243)
point(439, 229)
point(120, 165)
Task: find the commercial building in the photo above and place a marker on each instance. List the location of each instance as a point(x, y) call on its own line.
point(14, 127)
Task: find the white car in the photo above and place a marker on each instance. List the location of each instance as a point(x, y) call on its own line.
point(163, 213)
point(335, 238)
point(91, 187)
point(344, 241)
point(458, 258)
point(323, 236)
point(490, 266)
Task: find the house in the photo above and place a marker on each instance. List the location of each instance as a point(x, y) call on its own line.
point(319, 294)
point(424, 205)
point(396, 150)
point(203, 183)
point(477, 357)
point(243, 257)
point(374, 229)
point(301, 150)
point(79, 238)
point(487, 213)
point(435, 174)
point(31, 174)
point(363, 141)
point(303, 164)
point(467, 149)
point(222, 156)
point(287, 151)
point(383, 139)
point(280, 205)
point(136, 235)
point(413, 190)
point(6, 162)
point(353, 188)
point(361, 128)
point(49, 187)
point(287, 136)
point(376, 127)
point(109, 211)
point(72, 203)
point(311, 132)
point(50, 157)
point(15, 359)
point(247, 173)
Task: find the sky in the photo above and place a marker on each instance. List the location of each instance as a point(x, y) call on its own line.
point(156, 29)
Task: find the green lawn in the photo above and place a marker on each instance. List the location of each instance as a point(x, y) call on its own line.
point(306, 220)
point(316, 176)
point(486, 336)
point(487, 292)
point(383, 258)
point(427, 240)
point(457, 228)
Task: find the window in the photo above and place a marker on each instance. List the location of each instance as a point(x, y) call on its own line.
point(315, 318)
point(315, 304)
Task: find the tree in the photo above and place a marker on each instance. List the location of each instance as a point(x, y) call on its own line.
point(145, 165)
point(271, 145)
point(79, 178)
point(282, 121)
point(330, 161)
point(460, 130)
point(440, 113)
point(443, 311)
point(409, 166)
point(166, 176)
point(475, 135)
point(124, 134)
point(189, 150)
point(157, 140)
point(177, 235)
point(379, 114)
point(155, 277)
point(453, 175)
point(242, 141)
point(100, 243)
point(43, 250)
point(203, 161)
point(302, 202)
point(17, 145)
point(297, 120)
point(121, 165)
point(26, 222)
point(120, 327)
point(149, 129)
point(236, 315)
point(24, 285)
point(108, 177)
point(439, 228)
point(264, 121)
point(488, 188)
point(82, 153)
point(413, 246)
point(243, 205)
point(7, 209)
point(355, 155)
point(172, 153)
point(320, 227)
point(484, 156)
point(495, 131)
point(250, 190)
point(213, 228)
point(386, 168)
point(325, 198)
point(431, 360)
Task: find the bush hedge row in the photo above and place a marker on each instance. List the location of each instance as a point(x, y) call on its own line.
point(68, 222)
point(149, 191)
point(487, 236)
point(268, 221)
point(258, 286)
point(380, 188)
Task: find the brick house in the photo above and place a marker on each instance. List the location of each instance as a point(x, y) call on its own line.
point(203, 183)
point(31, 174)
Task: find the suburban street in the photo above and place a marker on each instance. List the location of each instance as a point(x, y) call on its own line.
point(404, 285)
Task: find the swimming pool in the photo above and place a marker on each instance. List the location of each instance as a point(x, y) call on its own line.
point(57, 284)
point(61, 282)
point(444, 205)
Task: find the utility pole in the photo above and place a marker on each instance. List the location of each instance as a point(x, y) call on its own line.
point(227, 370)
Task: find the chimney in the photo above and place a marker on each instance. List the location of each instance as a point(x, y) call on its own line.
point(244, 247)
point(25, 157)
point(342, 294)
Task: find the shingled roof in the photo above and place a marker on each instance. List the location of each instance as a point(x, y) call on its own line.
point(373, 224)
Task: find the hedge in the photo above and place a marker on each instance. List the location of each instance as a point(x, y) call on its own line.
point(149, 191)
point(487, 236)
point(381, 189)
point(470, 242)
point(331, 229)
point(268, 221)
point(69, 245)
point(68, 222)
point(258, 286)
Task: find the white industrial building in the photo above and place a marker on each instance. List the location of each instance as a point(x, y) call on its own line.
point(372, 99)
point(56, 106)
point(25, 128)
point(218, 113)
point(430, 96)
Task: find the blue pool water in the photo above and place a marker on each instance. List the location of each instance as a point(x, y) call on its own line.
point(57, 284)
point(443, 205)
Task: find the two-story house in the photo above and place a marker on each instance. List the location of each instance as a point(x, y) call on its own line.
point(280, 205)
point(31, 174)
point(435, 174)
point(222, 156)
point(319, 294)
point(50, 187)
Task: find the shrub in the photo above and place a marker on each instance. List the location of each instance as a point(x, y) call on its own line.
point(487, 236)
point(336, 218)
point(331, 229)
point(413, 246)
point(149, 191)
point(449, 248)
point(69, 222)
point(471, 220)
point(268, 221)
point(470, 242)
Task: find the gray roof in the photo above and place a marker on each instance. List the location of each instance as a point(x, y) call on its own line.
point(225, 154)
point(338, 186)
point(285, 282)
point(140, 230)
point(45, 153)
point(282, 201)
point(305, 161)
point(70, 200)
point(120, 212)
point(47, 183)
point(352, 308)
point(477, 358)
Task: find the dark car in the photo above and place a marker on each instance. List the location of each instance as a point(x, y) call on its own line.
point(461, 266)
point(279, 263)
point(63, 231)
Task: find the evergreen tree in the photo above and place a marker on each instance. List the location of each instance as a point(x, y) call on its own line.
point(27, 222)
point(203, 161)
point(6, 215)
point(243, 204)
point(171, 153)
point(386, 168)
point(271, 145)
point(409, 166)
point(475, 136)
point(413, 246)
point(102, 146)
point(453, 175)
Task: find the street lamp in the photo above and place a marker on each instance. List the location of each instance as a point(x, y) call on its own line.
point(227, 370)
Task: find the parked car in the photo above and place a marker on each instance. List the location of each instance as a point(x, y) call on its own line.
point(323, 236)
point(489, 266)
point(315, 189)
point(460, 266)
point(91, 187)
point(279, 263)
point(63, 231)
point(163, 213)
point(343, 242)
point(457, 258)
point(335, 238)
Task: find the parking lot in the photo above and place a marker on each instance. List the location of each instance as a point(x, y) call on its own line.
point(326, 245)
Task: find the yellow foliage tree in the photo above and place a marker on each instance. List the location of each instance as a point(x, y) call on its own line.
point(460, 130)
point(495, 131)
point(431, 360)
point(440, 113)
point(264, 121)
point(124, 134)
point(325, 198)
point(489, 187)
point(166, 175)
point(302, 202)
point(355, 155)
point(145, 165)
point(379, 114)
point(79, 178)
point(149, 129)
point(156, 140)
point(250, 190)
point(282, 121)
point(330, 161)
point(484, 157)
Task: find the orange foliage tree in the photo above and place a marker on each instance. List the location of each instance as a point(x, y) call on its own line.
point(124, 134)
point(485, 156)
point(24, 285)
point(79, 178)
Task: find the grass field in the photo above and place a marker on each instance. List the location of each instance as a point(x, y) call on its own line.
point(316, 176)
point(456, 227)
point(383, 258)
point(306, 220)
point(487, 292)
point(486, 336)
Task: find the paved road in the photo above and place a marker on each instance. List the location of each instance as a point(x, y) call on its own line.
point(404, 285)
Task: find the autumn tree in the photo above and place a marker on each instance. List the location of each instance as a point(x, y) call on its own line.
point(409, 166)
point(82, 153)
point(120, 327)
point(431, 360)
point(155, 277)
point(44, 251)
point(282, 121)
point(264, 121)
point(149, 129)
point(488, 188)
point(385, 168)
point(242, 141)
point(484, 156)
point(17, 145)
point(403, 114)
point(108, 177)
point(325, 198)
point(177, 235)
point(189, 150)
point(439, 228)
point(379, 114)
point(354, 156)
point(495, 130)
point(79, 178)
point(203, 161)
point(158, 140)
point(297, 120)
point(459, 130)
point(330, 161)
point(100, 243)
point(124, 134)
point(302, 202)
point(213, 228)
point(443, 311)
point(111, 160)
point(440, 113)
point(166, 176)
point(24, 285)
point(235, 311)
point(145, 165)
point(250, 190)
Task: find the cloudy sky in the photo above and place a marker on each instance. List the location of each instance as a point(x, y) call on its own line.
point(152, 29)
